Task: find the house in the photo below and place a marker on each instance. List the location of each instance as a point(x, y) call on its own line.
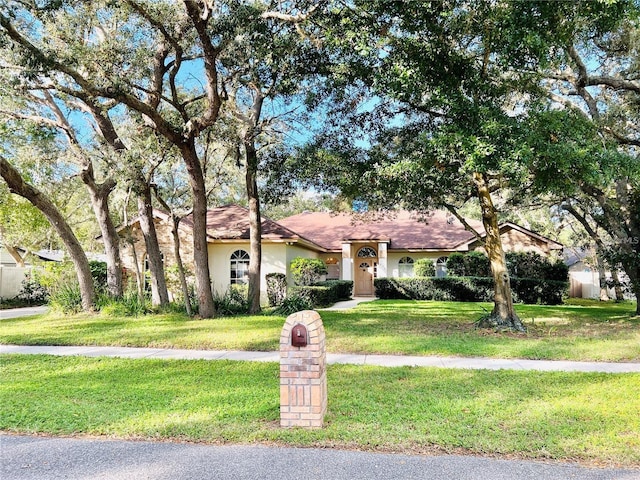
point(12, 275)
point(358, 248)
point(584, 277)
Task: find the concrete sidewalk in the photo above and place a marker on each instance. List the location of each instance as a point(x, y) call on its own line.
point(332, 358)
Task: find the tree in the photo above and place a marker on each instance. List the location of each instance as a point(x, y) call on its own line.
point(165, 41)
point(594, 78)
point(38, 103)
point(596, 182)
point(263, 69)
point(18, 186)
point(463, 81)
point(141, 55)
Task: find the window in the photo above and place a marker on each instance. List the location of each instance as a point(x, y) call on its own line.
point(239, 267)
point(405, 267)
point(367, 252)
point(333, 268)
point(441, 267)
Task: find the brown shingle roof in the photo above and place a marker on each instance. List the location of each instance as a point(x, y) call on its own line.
point(231, 222)
point(405, 230)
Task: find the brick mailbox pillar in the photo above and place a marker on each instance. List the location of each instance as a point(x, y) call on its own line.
point(303, 375)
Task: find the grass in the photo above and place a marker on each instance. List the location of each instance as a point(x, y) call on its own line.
point(582, 330)
point(587, 417)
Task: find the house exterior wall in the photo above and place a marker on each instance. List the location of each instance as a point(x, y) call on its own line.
point(165, 242)
point(11, 280)
point(394, 259)
point(584, 282)
point(276, 258)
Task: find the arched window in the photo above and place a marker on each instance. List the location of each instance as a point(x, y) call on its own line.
point(405, 267)
point(441, 267)
point(239, 267)
point(367, 252)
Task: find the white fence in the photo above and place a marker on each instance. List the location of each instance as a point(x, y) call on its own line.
point(11, 280)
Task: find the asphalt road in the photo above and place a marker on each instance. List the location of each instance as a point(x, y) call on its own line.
point(38, 458)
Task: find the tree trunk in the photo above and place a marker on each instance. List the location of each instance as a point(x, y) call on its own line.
point(602, 274)
point(100, 202)
point(503, 315)
point(200, 246)
point(176, 251)
point(45, 205)
point(255, 227)
point(617, 286)
point(159, 295)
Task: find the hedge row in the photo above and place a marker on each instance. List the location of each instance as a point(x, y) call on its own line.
point(469, 289)
point(324, 294)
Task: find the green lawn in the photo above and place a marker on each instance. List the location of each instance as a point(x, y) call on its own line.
point(586, 417)
point(582, 330)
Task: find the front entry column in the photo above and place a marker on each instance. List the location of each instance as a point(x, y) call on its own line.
point(347, 262)
point(382, 260)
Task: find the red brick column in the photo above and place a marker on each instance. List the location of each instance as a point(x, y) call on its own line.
point(303, 375)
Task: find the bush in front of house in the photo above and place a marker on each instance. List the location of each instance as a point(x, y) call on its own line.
point(458, 289)
point(317, 295)
point(276, 288)
point(324, 294)
point(533, 290)
point(468, 289)
point(472, 264)
point(534, 265)
point(424, 267)
point(341, 289)
point(307, 271)
point(233, 302)
point(293, 303)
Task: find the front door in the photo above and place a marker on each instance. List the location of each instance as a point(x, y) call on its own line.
point(364, 278)
point(365, 266)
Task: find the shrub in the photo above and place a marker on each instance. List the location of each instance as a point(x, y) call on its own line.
point(469, 289)
point(424, 267)
point(557, 271)
point(99, 274)
point(32, 293)
point(455, 265)
point(67, 298)
point(340, 289)
point(318, 296)
point(129, 305)
point(307, 271)
point(276, 288)
point(233, 302)
point(292, 304)
point(477, 264)
point(472, 264)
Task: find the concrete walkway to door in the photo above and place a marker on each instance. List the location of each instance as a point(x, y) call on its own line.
point(345, 305)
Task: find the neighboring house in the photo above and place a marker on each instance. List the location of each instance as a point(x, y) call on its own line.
point(584, 279)
point(353, 248)
point(11, 275)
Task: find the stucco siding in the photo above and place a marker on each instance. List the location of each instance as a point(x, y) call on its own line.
point(394, 259)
